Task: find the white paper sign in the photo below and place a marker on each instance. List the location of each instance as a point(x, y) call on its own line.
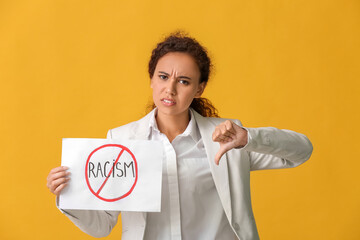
point(109, 174)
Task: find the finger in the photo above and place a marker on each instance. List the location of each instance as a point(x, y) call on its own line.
point(60, 175)
point(58, 190)
point(219, 154)
point(56, 183)
point(230, 126)
point(223, 138)
point(224, 131)
point(58, 169)
point(215, 134)
point(219, 137)
point(52, 177)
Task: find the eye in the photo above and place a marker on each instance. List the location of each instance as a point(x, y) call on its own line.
point(163, 76)
point(184, 82)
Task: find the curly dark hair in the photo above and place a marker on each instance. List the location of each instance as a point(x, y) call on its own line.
point(180, 42)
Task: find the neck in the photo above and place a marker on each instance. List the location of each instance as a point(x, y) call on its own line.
point(172, 125)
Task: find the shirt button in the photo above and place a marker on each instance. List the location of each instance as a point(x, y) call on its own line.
point(236, 227)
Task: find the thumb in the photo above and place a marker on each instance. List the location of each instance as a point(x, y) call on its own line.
point(220, 153)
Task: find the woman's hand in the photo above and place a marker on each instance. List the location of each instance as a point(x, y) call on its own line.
point(230, 136)
point(58, 179)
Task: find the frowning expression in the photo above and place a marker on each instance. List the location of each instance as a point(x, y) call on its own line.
point(175, 83)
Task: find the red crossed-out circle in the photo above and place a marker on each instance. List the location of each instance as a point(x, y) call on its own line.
point(97, 194)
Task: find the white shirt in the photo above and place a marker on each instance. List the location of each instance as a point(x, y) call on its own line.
point(190, 205)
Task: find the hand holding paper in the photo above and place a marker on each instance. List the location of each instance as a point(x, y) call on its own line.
point(58, 179)
point(110, 175)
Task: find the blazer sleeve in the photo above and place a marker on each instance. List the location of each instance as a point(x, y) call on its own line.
point(96, 223)
point(271, 148)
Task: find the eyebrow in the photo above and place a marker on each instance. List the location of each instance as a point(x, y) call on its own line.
point(179, 76)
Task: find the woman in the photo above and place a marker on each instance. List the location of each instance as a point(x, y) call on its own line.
point(207, 160)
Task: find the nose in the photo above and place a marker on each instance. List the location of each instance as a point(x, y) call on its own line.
point(171, 87)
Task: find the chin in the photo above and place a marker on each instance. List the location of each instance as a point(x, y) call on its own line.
point(172, 111)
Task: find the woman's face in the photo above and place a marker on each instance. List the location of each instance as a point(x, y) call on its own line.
point(175, 83)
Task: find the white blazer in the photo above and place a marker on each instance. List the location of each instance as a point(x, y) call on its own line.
point(267, 148)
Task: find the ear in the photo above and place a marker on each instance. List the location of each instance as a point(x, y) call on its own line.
point(200, 89)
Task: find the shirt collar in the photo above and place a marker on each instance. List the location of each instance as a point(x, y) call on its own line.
point(191, 130)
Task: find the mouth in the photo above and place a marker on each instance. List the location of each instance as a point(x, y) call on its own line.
point(168, 102)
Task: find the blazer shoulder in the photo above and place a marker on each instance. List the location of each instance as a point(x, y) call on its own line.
point(138, 129)
point(217, 121)
point(126, 129)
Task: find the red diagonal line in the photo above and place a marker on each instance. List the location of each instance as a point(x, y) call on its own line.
point(112, 168)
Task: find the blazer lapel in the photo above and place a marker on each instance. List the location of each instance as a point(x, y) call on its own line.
point(219, 172)
point(142, 130)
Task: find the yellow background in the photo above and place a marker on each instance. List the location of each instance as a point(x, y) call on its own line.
point(79, 68)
